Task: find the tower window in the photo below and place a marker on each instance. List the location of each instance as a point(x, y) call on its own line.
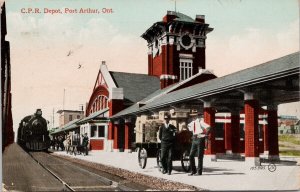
point(186, 68)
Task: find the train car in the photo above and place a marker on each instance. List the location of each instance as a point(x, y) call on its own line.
point(33, 134)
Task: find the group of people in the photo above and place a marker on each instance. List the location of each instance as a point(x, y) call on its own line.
point(65, 142)
point(167, 135)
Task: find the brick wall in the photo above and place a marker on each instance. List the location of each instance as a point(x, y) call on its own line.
point(96, 144)
point(251, 128)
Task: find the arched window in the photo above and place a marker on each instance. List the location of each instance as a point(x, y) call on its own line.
point(101, 102)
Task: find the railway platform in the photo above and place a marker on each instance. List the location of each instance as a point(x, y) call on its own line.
point(222, 175)
point(22, 173)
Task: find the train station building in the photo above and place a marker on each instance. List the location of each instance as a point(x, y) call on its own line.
point(241, 107)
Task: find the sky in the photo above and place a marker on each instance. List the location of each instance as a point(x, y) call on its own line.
point(47, 49)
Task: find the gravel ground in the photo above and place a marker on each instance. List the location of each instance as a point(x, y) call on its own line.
point(152, 182)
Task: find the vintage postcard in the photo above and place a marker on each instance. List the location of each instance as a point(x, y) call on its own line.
point(150, 95)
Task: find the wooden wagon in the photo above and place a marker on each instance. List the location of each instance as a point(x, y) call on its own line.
point(151, 146)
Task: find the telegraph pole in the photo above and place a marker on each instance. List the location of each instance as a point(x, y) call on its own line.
point(53, 118)
point(64, 99)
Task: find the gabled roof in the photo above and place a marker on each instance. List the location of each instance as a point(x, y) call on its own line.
point(274, 69)
point(135, 86)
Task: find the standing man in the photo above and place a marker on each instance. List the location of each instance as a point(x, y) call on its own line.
point(167, 133)
point(85, 142)
point(200, 130)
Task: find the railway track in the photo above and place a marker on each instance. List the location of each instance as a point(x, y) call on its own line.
point(76, 177)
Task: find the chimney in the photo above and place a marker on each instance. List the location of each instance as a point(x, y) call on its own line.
point(200, 18)
point(171, 15)
point(103, 63)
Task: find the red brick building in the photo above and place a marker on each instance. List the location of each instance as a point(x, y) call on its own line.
point(178, 81)
point(176, 56)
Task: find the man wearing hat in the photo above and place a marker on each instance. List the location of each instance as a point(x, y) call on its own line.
point(167, 133)
point(200, 130)
point(85, 142)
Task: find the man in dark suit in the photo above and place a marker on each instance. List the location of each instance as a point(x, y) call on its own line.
point(167, 133)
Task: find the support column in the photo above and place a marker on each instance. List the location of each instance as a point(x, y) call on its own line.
point(128, 130)
point(227, 137)
point(209, 118)
point(266, 137)
point(110, 137)
point(251, 129)
point(235, 132)
point(115, 105)
point(116, 140)
point(273, 132)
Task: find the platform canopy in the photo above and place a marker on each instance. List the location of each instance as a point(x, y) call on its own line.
point(274, 82)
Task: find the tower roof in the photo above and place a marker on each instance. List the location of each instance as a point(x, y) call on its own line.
point(176, 20)
point(181, 17)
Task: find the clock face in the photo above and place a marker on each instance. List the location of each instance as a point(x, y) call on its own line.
point(186, 40)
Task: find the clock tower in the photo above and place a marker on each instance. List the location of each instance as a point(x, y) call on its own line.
point(176, 47)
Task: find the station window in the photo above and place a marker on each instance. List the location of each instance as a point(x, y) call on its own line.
point(101, 131)
point(70, 117)
point(78, 116)
point(242, 130)
point(260, 131)
point(93, 131)
point(219, 130)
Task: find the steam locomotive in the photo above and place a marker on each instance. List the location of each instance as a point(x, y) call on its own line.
point(33, 134)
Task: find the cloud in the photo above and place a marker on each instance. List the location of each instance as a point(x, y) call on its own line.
point(41, 69)
point(250, 48)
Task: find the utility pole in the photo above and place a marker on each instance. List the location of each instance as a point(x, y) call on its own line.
point(53, 118)
point(64, 99)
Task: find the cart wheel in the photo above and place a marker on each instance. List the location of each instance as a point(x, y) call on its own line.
point(142, 157)
point(158, 160)
point(185, 161)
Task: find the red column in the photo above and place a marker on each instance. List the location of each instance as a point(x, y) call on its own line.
point(110, 131)
point(227, 137)
point(128, 135)
point(115, 105)
point(150, 61)
point(235, 132)
point(273, 132)
point(116, 142)
point(209, 118)
point(251, 128)
point(266, 139)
